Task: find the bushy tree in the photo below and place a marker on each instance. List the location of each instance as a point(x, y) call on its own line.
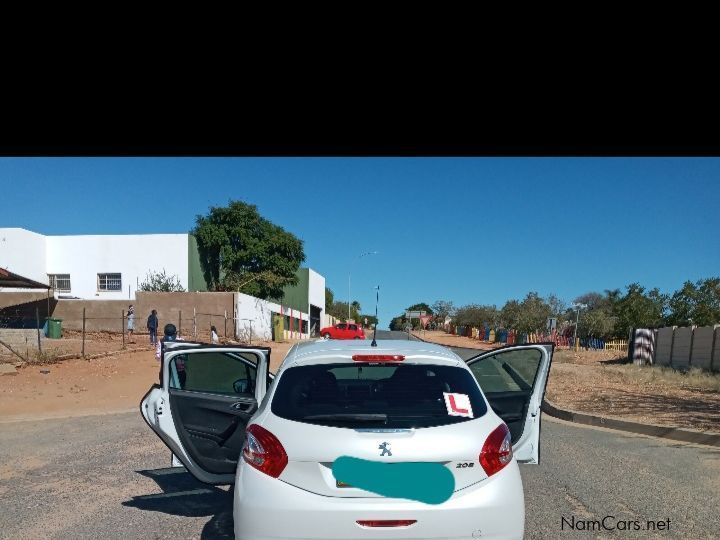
point(638, 309)
point(477, 315)
point(443, 309)
point(242, 251)
point(370, 318)
point(161, 282)
point(397, 323)
point(422, 306)
point(695, 304)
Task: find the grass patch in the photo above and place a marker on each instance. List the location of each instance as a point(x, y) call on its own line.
point(693, 379)
point(38, 358)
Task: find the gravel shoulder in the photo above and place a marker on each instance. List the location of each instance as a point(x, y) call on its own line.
point(602, 383)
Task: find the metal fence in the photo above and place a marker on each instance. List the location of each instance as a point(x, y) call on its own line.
point(20, 334)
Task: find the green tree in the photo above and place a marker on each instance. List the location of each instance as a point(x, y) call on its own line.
point(598, 318)
point(397, 323)
point(372, 320)
point(161, 282)
point(638, 309)
point(422, 306)
point(242, 251)
point(442, 309)
point(695, 304)
point(329, 298)
point(477, 315)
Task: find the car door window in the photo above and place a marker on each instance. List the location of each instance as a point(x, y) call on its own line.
point(232, 374)
point(507, 379)
point(341, 326)
point(352, 328)
point(508, 371)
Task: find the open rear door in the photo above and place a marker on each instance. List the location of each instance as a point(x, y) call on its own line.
point(513, 379)
point(201, 407)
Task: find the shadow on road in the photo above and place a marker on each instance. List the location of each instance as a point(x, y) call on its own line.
point(183, 495)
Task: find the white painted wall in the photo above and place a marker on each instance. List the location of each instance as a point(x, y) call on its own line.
point(316, 294)
point(133, 256)
point(248, 308)
point(23, 252)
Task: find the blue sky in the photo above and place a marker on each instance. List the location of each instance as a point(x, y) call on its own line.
point(470, 230)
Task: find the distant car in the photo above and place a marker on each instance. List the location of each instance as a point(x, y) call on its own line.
point(403, 403)
point(343, 331)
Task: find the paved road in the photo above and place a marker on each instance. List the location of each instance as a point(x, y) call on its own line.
point(105, 477)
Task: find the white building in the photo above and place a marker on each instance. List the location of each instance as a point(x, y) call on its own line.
point(112, 267)
point(108, 267)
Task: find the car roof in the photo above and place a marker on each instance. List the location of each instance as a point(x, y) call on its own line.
point(332, 350)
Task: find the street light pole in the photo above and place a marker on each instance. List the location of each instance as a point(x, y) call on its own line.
point(359, 257)
point(577, 307)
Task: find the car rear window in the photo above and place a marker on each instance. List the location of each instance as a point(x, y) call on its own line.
point(364, 395)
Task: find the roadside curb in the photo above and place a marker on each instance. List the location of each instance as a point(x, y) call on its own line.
point(652, 430)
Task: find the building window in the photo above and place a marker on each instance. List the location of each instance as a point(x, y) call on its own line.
point(60, 282)
point(109, 282)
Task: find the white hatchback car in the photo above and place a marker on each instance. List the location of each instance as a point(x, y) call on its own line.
point(277, 438)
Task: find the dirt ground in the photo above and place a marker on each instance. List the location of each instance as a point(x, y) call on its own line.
point(593, 382)
point(601, 382)
point(77, 387)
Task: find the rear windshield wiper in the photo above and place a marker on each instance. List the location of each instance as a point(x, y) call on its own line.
point(348, 417)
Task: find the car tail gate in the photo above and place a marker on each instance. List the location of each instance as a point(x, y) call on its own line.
point(379, 410)
point(312, 451)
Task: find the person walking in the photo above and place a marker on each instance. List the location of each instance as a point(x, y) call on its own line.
point(131, 322)
point(170, 334)
point(152, 326)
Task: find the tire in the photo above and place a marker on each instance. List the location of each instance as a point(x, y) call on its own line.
point(326, 335)
point(357, 337)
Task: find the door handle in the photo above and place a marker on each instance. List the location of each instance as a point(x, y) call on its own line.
point(242, 406)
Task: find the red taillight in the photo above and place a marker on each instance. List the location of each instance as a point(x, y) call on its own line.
point(386, 522)
point(263, 451)
point(497, 450)
point(378, 357)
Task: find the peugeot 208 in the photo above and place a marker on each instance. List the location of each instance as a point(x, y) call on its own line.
point(350, 441)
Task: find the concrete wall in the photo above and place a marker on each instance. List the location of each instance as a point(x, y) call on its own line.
point(702, 347)
point(101, 316)
point(22, 309)
point(249, 308)
point(663, 346)
point(683, 348)
point(23, 252)
point(258, 312)
point(210, 308)
point(133, 256)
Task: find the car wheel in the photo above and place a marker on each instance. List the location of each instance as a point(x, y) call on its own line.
point(357, 337)
point(326, 335)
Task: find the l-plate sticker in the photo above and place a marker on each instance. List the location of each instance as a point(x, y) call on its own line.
point(458, 404)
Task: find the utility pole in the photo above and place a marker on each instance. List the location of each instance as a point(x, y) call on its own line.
point(577, 307)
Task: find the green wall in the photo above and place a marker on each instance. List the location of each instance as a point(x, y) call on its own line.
point(196, 280)
point(295, 297)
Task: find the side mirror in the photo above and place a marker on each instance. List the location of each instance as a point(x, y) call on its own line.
point(242, 386)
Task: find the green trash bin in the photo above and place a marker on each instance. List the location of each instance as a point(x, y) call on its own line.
point(54, 328)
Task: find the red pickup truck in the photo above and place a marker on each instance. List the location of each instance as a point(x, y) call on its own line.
point(343, 331)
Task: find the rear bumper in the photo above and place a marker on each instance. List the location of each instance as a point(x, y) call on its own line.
point(268, 509)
